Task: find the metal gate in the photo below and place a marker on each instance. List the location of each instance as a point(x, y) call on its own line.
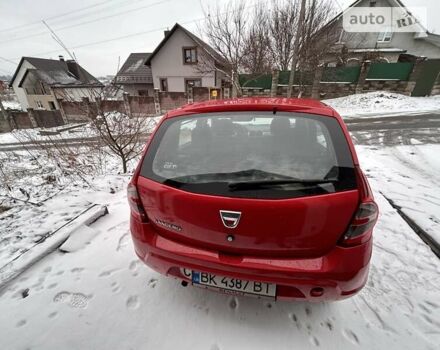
point(429, 71)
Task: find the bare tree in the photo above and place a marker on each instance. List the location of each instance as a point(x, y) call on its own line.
point(283, 21)
point(257, 59)
point(123, 131)
point(225, 28)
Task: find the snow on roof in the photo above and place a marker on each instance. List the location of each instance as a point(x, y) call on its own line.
point(59, 72)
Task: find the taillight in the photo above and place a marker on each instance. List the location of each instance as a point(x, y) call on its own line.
point(135, 203)
point(361, 226)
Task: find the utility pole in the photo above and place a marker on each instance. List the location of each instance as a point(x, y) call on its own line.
point(302, 14)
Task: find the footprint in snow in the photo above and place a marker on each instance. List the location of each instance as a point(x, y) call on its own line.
point(152, 282)
point(133, 302)
point(20, 323)
point(314, 341)
point(296, 321)
point(233, 304)
point(123, 242)
point(74, 300)
point(107, 273)
point(351, 336)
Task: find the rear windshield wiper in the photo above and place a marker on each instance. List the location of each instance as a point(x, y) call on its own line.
point(247, 185)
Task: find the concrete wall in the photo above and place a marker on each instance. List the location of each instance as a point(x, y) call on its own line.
point(168, 63)
point(44, 99)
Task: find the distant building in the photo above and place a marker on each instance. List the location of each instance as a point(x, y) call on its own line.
point(39, 83)
point(182, 59)
point(135, 77)
point(384, 46)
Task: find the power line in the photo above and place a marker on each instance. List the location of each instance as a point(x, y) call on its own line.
point(87, 22)
point(56, 16)
point(8, 60)
point(129, 35)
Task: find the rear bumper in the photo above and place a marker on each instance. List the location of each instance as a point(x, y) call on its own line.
point(339, 274)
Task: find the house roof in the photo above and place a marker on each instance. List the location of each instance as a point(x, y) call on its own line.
point(207, 48)
point(59, 73)
point(135, 66)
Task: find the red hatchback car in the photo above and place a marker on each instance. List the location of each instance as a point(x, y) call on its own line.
point(255, 196)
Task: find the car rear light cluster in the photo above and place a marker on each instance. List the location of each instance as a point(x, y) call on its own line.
point(135, 203)
point(361, 227)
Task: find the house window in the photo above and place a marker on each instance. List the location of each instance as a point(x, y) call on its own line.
point(192, 83)
point(385, 36)
point(143, 92)
point(189, 55)
point(163, 84)
point(39, 104)
point(52, 106)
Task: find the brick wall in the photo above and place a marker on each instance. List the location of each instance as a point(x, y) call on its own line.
point(401, 87)
point(335, 90)
point(202, 94)
point(436, 88)
point(141, 105)
point(172, 100)
point(47, 119)
point(20, 120)
point(4, 125)
point(75, 112)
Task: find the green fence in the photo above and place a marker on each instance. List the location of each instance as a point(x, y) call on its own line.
point(341, 74)
point(390, 71)
point(301, 78)
point(264, 81)
point(377, 71)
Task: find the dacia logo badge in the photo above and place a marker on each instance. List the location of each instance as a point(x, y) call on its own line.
point(230, 219)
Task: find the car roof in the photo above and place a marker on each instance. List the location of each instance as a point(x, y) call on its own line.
point(256, 104)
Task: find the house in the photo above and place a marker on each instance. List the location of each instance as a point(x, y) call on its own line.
point(39, 83)
point(135, 77)
point(384, 46)
point(182, 59)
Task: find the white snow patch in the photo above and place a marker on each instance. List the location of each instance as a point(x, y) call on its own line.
point(381, 102)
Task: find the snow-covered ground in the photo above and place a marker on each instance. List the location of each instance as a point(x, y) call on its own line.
point(410, 177)
point(99, 296)
point(102, 297)
point(81, 130)
point(37, 134)
point(11, 105)
point(381, 103)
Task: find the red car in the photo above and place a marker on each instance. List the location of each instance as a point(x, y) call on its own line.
point(255, 196)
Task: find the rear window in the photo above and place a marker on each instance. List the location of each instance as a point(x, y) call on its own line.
point(251, 155)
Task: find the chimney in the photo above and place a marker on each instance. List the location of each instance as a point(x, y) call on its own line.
point(166, 32)
point(61, 57)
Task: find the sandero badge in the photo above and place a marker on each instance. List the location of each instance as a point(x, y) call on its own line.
point(230, 219)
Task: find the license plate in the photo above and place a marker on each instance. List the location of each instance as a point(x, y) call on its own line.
point(230, 285)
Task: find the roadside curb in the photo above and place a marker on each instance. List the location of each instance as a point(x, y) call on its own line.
point(425, 236)
point(48, 243)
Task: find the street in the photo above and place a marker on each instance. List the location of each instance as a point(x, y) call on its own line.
point(388, 131)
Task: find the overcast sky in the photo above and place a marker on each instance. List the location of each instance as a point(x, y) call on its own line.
point(85, 25)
